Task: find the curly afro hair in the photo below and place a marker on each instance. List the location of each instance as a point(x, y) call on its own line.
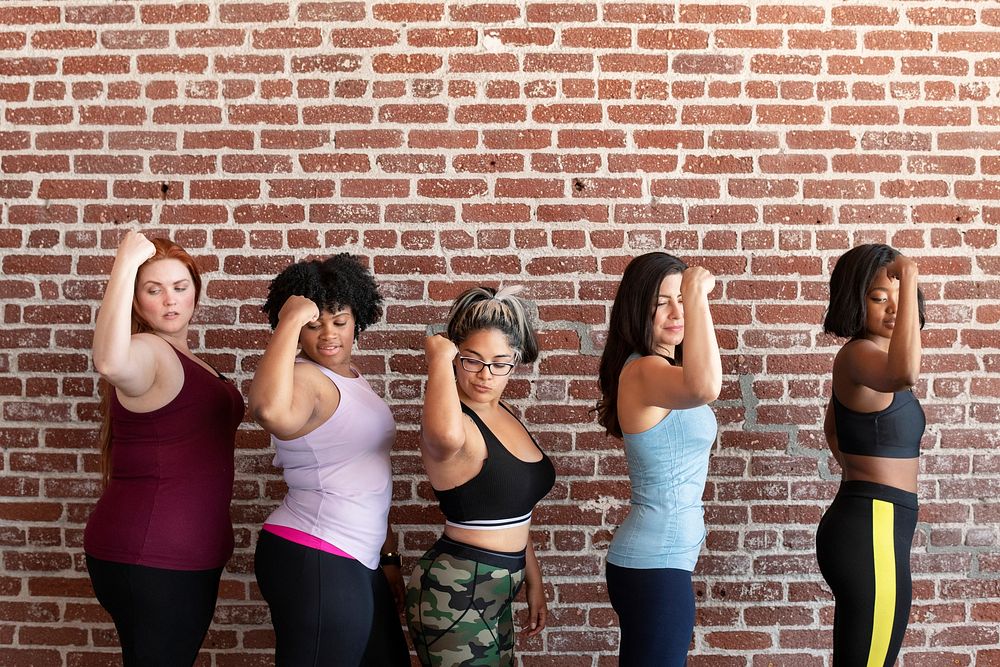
point(332, 284)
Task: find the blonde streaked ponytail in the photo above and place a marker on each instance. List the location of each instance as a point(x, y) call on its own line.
point(484, 308)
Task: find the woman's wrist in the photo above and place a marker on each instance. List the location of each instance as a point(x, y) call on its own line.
point(390, 558)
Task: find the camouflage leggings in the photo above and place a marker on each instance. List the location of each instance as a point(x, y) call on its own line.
point(458, 606)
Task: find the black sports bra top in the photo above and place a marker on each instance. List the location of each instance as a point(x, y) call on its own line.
point(503, 493)
point(892, 433)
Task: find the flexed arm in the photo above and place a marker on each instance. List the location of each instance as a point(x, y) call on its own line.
point(126, 362)
point(699, 380)
point(441, 426)
point(904, 346)
point(277, 403)
point(702, 364)
point(898, 368)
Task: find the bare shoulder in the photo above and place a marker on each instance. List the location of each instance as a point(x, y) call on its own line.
point(645, 368)
point(153, 348)
point(309, 379)
point(150, 342)
point(858, 346)
point(857, 352)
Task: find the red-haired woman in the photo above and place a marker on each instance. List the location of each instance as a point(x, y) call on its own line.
point(160, 535)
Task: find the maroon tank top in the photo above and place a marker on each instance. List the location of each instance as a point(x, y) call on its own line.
point(167, 501)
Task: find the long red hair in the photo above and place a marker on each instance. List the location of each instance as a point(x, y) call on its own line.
point(165, 249)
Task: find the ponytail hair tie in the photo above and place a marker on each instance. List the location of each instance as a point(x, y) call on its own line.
point(510, 290)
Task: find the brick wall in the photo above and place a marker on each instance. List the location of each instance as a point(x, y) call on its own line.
point(541, 143)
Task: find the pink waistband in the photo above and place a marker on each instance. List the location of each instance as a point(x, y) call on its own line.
point(305, 539)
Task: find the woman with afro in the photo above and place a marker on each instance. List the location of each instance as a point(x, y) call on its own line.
point(318, 555)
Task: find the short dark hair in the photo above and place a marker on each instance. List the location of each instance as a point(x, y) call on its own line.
point(849, 282)
point(630, 328)
point(332, 284)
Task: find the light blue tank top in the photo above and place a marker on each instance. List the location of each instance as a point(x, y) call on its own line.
point(667, 465)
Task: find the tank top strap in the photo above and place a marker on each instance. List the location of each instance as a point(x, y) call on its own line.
point(490, 438)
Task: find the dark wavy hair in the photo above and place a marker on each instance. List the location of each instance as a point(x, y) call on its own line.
point(849, 283)
point(332, 284)
point(484, 308)
point(630, 329)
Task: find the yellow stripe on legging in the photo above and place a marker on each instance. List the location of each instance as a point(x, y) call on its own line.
point(885, 581)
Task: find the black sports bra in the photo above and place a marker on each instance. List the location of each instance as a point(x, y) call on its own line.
point(892, 433)
point(504, 491)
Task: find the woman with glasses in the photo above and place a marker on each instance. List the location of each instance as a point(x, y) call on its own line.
point(655, 397)
point(488, 473)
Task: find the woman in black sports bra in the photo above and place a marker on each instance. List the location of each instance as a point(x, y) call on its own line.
point(488, 473)
point(873, 426)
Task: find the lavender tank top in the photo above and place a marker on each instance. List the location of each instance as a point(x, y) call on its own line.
point(339, 477)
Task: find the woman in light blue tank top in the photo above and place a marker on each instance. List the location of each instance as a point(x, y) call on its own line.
point(659, 371)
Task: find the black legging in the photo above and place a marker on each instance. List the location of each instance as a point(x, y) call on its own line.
point(655, 613)
point(863, 549)
point(322, 606)
point(386, 644)
point(161, 615)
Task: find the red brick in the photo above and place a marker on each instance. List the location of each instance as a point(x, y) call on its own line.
point(484, 12)
point(325, 63)
point(64, 39)
point(96, 65)
point(748, 39)
point(375, 187)
point(715, 115)
point(528, 187)
point(415, 114)
point(19, 67)
point(807, 40)
point(762, 188)
point(934, 66)
point(39, 115)
point(362, 38)
point(416, 164)
point(678, 38)
point(182, 114)
point(714, 13)
point(638, 12)
point(775, 64)
point(451, 188)
point(685, 188)
point(479, 63)
point(141, 140)
point(561, 12)
point(435, 37)
point(252, 12)
point(937, 116)
point(331, 11)
point(488, 163)
point(100, 14)
point(216, 139)
point(567, 113)
point(787, 114)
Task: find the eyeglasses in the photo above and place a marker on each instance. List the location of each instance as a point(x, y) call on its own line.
point(498, 368)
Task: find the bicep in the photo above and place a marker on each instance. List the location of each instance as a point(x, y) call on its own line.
point(306, 395)
point(139, 374)
point(445, 445)
point(655, 382)
point(867, 365)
